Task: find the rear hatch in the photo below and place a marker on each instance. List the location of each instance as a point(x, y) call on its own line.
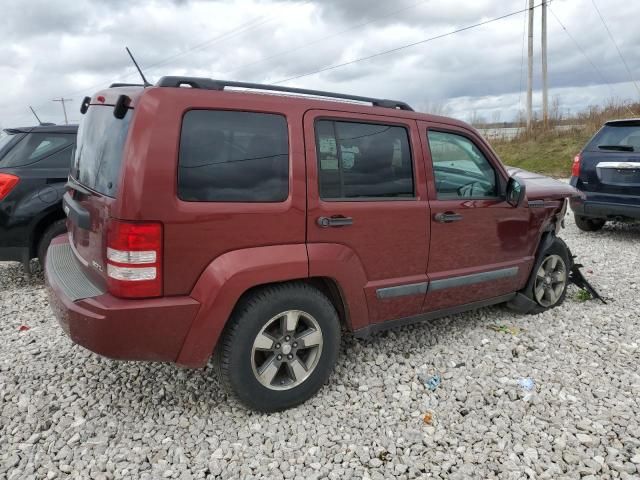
point(93, 182)
point(610, 163)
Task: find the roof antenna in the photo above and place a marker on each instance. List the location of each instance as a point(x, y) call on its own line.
point(35, 115)
point(144, 80)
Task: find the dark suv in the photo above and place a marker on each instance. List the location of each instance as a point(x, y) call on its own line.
point(34, 165)
point(259, 226)
point(607, 171)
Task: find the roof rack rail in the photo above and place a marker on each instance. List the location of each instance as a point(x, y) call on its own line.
point(211, 84)
point(125, 85)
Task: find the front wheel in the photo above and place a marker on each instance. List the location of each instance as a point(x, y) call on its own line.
point(280, 346)
point(551, 277)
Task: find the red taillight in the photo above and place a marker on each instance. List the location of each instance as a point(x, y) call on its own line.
point(7, 182)
point(575, 168)
point(134, 259)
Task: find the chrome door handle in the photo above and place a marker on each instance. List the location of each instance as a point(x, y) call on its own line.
point(447, 217)
point(326, 222)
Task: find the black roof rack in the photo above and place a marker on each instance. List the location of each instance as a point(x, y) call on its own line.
point(211, 84)
point(126, 85)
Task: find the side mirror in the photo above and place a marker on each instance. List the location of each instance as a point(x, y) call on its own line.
point(516, 192)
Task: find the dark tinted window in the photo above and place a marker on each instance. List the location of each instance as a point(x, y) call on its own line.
point(101, 138)
point(37, 148)
point(230, 156)
point(360, 160)
point(617, 137)
point(460, 169)
point(60, 159)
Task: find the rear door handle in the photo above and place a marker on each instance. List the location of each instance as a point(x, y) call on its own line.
point(447, 217)
point(326, 222)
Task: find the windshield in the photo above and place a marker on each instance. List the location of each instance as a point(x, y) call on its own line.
point(101, 139)
point(613, 137)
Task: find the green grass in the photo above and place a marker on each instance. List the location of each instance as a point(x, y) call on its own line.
point(583, 295)
point(548, 153)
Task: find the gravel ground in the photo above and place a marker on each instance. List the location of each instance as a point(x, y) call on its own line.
point(67, 413)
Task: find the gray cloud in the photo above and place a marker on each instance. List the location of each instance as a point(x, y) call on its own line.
point(51, 49)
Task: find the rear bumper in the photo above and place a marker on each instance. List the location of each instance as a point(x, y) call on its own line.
point(604, 209)
point(146, 329)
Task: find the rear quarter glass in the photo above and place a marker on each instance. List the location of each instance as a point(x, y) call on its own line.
point(233, 156)
point(40, 150)
point(100, 148)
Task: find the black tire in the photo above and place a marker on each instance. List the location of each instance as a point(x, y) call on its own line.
point(235, 356)
point(587, 224)
point(560, 249)
point(56, 228)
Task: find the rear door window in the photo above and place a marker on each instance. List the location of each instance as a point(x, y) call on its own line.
point(101, 139)
point(37, 148)
point(230, 156)
point(363, 160)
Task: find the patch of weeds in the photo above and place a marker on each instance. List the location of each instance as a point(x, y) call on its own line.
point(505, 329)
point(582, 295)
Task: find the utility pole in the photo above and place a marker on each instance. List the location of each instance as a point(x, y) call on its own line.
point(62, 100)
point(545, 84)
point(530, 72)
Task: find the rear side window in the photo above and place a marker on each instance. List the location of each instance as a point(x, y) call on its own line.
point(101, 138)
point(40, 149)
point(617, 137)
point(363, 160)
point(228, 156)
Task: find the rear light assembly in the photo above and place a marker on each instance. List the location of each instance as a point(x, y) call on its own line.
point(7, 183)
point(134, 259)
point(575, 167)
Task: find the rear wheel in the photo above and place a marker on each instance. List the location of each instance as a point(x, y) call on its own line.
point(587, 224)
point(279, 347)
point(56, 228)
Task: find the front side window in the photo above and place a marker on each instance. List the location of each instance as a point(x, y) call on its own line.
point(460, 169)
point(230, 156)
point(363, 160)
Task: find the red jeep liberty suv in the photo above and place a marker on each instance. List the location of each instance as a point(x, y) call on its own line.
point(224, 219)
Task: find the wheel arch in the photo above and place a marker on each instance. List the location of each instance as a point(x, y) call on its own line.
point(40, 225)
point(233, 275)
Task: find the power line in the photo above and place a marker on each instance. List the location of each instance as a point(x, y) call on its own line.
point(584, 53)
point(402, 47)
point(231, 33)
point(616, 45)
point(319, 40)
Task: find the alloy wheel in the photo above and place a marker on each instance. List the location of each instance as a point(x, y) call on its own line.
point(287, 349)
point(551, 280)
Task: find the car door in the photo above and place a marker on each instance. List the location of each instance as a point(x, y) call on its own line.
point(479, 243)
point(366, 193)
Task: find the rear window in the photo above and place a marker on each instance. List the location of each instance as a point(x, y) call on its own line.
point(622, 137)
point(101, 139)
point(37, 148)
point(228, 156)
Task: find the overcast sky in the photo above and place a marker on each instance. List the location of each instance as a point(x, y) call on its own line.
point(72, 48)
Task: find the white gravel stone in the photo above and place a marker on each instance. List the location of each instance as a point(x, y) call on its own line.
point(68, 413)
